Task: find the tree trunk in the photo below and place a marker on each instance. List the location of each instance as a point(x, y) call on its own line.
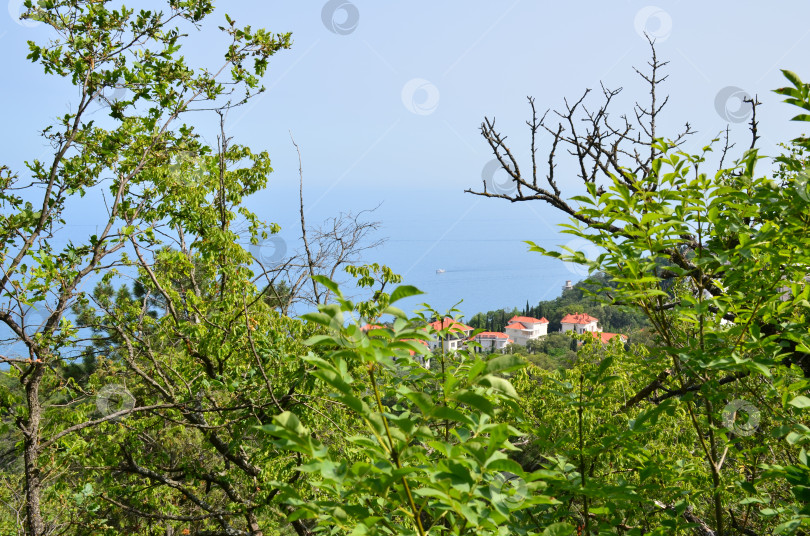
point(30, 429)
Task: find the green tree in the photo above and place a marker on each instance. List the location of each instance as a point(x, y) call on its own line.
point(434, 442)
point(161, 185)
point(716, 257)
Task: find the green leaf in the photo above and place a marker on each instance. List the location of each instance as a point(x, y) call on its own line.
point(500, 384)
point(505, 464)
point(504, 363)
point(404, 291)
point(328, 283)
point(290, 421)
point(560, 529)
point(800, 402)
point(319, 318)
point(450, 414)
point(476, 401)
point(792, 77)
point(420, 400)
point(394, 311)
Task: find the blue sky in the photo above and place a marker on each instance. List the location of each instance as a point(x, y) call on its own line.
point(385, 100)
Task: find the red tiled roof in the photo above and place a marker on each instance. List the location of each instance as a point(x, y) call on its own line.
point(371, 326)
point(528, 320)
point(605, 337)
point(517, 326)
point(491, 335)
point(580, 318)
point(449, 323)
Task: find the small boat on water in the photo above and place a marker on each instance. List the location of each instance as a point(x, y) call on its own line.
point(440, 271)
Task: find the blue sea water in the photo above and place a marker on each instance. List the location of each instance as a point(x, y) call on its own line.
point(503, 275)
point(481, 245)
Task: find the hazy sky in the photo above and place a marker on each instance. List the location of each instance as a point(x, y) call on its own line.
point(385, 100)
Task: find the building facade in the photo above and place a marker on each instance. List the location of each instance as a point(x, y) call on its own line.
point(523, 329)
point(456, 337)
point(579, 323)
point(491, 341)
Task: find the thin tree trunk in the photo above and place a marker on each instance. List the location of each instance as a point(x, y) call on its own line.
point(30, 429)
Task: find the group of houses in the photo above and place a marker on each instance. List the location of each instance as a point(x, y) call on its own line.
point(519, 330)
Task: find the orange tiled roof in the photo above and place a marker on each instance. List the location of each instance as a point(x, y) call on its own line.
point(579, 318)
point(491, 335)
point(516, 325)
point(528, 320)
point(449, 323)
point(371, 326)
point(605, 337)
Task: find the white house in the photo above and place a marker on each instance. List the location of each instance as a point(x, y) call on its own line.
point(522, 329)
point(579, 323)
point(458, 334)
point(491, 341)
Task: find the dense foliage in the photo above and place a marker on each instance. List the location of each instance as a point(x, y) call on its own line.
point(154, 383)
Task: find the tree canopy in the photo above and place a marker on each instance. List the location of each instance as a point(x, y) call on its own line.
point(155, 382)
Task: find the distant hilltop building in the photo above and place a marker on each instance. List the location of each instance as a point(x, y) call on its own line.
point(568, 285)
